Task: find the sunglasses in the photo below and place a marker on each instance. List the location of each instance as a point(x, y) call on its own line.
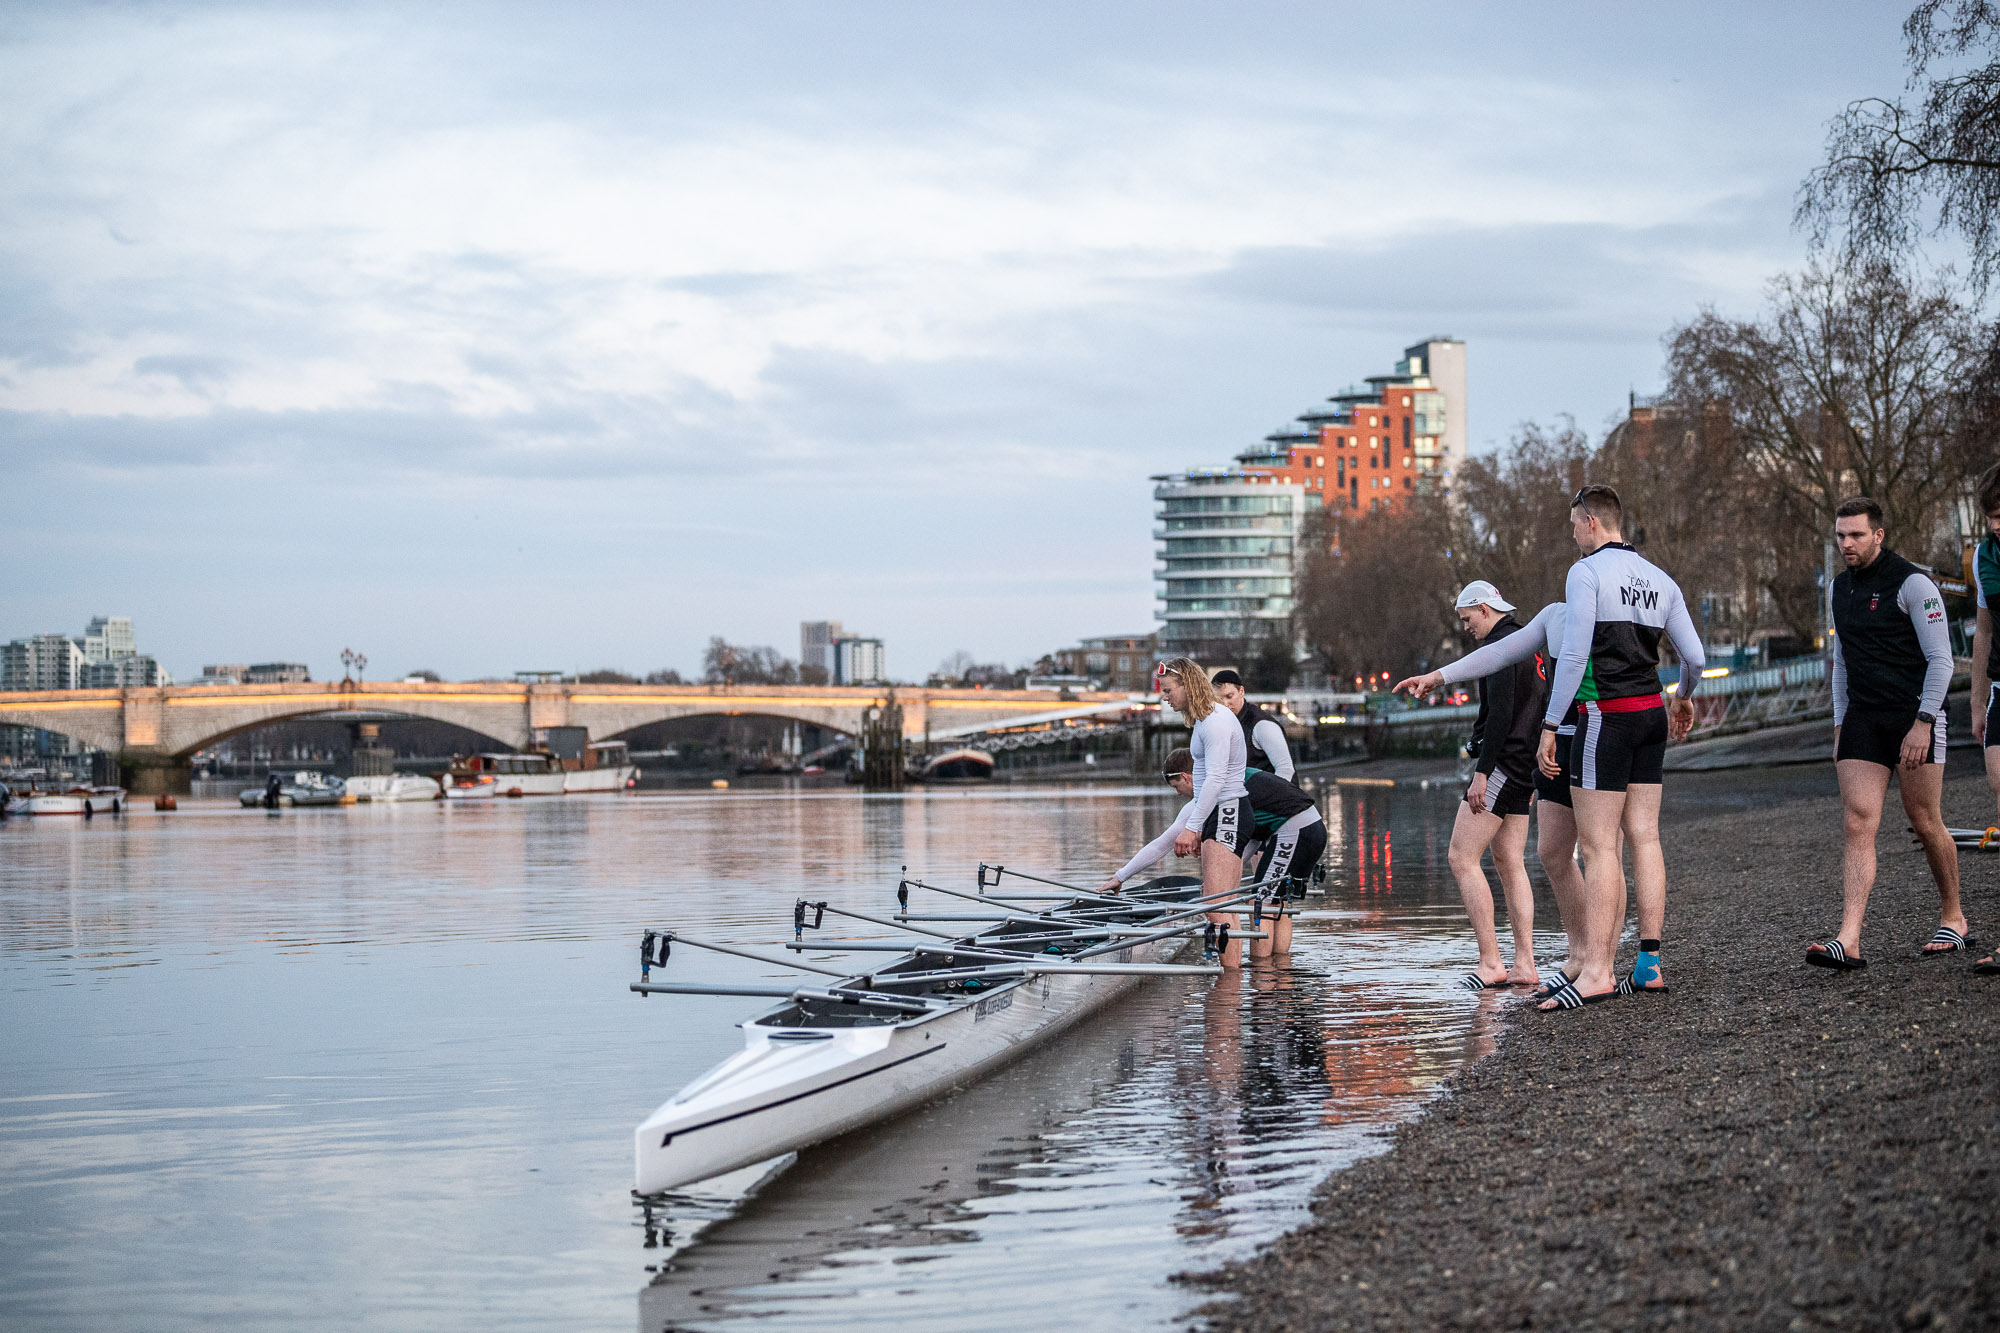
point(1171, 776)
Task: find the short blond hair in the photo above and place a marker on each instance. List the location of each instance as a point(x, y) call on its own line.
point(1200, 692)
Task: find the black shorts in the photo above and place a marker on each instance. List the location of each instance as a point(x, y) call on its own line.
point(1556, 789)
point(1507, 793)
point(1232, 823)
point(1292, 855)
point(1877, 738)
point(1615, 750)
point(1992, 712)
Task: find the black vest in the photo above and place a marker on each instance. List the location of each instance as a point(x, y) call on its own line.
point(1249, 718)
point(1878, 644)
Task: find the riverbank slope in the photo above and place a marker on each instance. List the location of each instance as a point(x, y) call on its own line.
point(1771, 1146)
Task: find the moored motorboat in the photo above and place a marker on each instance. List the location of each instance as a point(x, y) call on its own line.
point(832, 1057)
point(393, 787)
point(470, 787)
point(530, 773)
point(68, 800)
point(605, 766)
point(303, 788)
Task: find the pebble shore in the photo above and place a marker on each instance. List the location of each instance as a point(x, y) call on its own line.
point(1771, 1146)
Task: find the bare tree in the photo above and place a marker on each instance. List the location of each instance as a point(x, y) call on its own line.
point(664, 676)
point(1851, 383)
point(1897, 171)
point(724, 663)
point(1381, 601)
point(606, 676)
point(956, 666)
point(1511, 523)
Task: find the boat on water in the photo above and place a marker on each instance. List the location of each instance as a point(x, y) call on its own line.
point(530, 773)
point(66, 800)
point(937, 1014)
point(470, 787)
point(303, 788)
point(393, 787)
point(963, 765)
point(605, 766)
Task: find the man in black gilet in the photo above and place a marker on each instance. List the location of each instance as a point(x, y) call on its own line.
point(1891, 667)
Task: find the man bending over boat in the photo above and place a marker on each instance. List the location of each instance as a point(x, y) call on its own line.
point(1217, 821)
point(1291, 839)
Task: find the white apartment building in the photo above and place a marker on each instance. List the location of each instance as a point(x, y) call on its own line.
point(1227, 543)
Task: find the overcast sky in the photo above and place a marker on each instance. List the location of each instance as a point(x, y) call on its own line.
point(493, 338)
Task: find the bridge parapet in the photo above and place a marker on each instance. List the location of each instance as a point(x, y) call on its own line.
point(155, 730)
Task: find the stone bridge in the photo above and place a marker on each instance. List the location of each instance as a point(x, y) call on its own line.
point(155, 731)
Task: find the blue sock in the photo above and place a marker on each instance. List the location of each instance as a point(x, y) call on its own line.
point(1646, 967)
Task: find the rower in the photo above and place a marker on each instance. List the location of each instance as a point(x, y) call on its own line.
point(1263, 738)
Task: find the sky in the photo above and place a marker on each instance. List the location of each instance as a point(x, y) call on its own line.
point(496, 338)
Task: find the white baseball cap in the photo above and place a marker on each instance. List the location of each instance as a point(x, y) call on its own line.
point(1481, 593)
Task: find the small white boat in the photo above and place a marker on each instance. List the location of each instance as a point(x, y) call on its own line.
point(838, 1055)
point(605, 767)
point(475, 787)
point(77, 800)
point(964, 765)
point(531, 773)
point(303, 788)
point(393, 787)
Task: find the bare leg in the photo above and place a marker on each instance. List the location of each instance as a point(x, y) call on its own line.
point(1510, 848)
point(1281, 932)
point(1649, 864)
point(1923, 795)
point(1862, 788)
point(1222, 875)
point(1470, 834)
point(1599, 815)
point(1993, 769)
point(1555, 829)
point(1253, 865)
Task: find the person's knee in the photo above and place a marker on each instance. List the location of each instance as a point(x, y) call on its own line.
point(1465, 860)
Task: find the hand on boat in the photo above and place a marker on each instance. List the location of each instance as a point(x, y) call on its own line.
point(1111, 885)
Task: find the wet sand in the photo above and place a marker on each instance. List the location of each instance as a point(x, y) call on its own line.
point(1771, 1146)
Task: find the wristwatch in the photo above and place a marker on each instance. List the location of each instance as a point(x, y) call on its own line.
point(1928, 719)
point(1551, 726)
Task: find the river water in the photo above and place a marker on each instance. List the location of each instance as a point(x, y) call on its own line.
point(378, 1066)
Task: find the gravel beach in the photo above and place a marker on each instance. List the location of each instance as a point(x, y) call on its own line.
point(1771, 1146)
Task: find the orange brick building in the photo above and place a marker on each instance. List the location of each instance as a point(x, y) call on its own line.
point(1372, 448)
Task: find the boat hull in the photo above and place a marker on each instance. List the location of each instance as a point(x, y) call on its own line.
point(791, 1088)
point(529, 784)
point(482, 790)
point(613, 778)
point(98, 801)
point(392, 787)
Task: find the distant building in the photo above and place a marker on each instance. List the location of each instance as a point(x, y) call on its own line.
point(816, 644)
point(127, 670)
point(108, 637)
point(276, 673)
point(41, 662)
point(1116, 662)
point(228, 673)
point(858, 661)
point(1226, 549)
point(1375, 448)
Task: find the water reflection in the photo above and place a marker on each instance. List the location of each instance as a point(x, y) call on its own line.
point(1179, 1129)
point(378, 1066)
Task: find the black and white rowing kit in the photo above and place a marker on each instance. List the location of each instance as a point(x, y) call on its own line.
point(1891, 659)
point(1505, 732)
point(1290, 833)
point(1617, 605)
point(1221, 801)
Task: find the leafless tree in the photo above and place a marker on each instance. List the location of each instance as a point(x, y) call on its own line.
point(1897, 170)
point(1511, 525)
point(606, 676)
point(664, 676)
point(955, 667)
point(1382, 600)
point(1851, 383)
point(724, 663)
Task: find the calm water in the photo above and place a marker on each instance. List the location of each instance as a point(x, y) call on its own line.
point(378, 1066)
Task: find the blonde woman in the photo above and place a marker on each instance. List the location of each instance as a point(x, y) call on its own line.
point(1219, 822)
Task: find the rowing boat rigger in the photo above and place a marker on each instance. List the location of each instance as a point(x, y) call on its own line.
point(939, 1013)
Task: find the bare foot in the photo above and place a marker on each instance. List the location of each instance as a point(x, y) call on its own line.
point(1491, 976)
point(1523, 974)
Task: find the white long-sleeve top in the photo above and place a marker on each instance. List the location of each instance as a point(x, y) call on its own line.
point(1219, 759)
point(1617, 605)
point(1270, 738)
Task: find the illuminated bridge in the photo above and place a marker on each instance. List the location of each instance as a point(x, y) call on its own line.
point(155, 731)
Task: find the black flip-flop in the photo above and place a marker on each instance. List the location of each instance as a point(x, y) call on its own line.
point(1471, 981)
point(1548, 989)
point(1988, 966)
point(1629, 986)
point(1833, 954)
point(1951, 939)
point(1567, 996)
